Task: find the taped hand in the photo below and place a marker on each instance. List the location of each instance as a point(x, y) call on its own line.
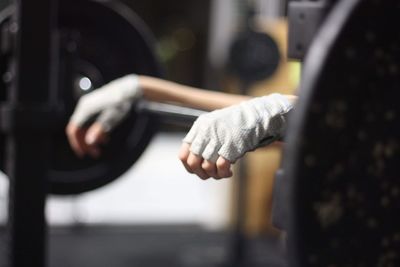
point(217, 139)
point(109, 104)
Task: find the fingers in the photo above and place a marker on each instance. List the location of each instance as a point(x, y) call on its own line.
point(194, 163)
point(96, 135)
point(76, 138)
point(202, 167)
point(184, 154)
point(210, 169)
point(86, 141)
point(223, 167)
point(94, 138)
point(219, 169)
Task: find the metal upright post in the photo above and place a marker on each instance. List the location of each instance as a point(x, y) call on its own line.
point(24, 120)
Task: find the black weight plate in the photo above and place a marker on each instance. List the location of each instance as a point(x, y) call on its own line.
point(5, 16)
point(254, 56)
point(100, 41)
point(343, 153)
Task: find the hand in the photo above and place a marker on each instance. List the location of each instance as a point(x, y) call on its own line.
point(109, 104)
point(217, 139)
point(86, 140)
point(204, 168)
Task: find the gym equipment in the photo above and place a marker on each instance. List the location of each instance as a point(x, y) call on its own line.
point(343, 146)
point(254, 56)
point(343, 151)
point(98, 41)
point(305, 18)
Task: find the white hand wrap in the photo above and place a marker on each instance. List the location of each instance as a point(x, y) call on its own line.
point(235, 130)
point(111, 102)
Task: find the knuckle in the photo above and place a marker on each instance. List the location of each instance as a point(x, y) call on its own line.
point(71, 130)
point(192, 163)
point(222, 164)
point(83, 100)
point(182, 157)
point(183, 153)
point(207, 166)
point(68, 129)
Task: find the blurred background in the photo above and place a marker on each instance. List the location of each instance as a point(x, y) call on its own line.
point(157, 213)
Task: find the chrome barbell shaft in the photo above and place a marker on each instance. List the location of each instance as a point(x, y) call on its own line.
point(169, 112)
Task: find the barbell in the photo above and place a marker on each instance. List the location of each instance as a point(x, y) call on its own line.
point(99, 42)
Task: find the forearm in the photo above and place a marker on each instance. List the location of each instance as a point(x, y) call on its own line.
point(160, 90)
point(291, 98)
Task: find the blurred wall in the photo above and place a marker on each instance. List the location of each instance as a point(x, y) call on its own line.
point(181, 29)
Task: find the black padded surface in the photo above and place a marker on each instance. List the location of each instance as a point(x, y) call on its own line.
point(343, 153)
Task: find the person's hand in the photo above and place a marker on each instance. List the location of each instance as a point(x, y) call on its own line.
point(109, 105)
point(217, 139)
point(204, 168)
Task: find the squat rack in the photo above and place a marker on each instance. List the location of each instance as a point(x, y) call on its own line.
point(24, 121)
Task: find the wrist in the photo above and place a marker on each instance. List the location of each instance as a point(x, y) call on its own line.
point(276, 104)
point(272, 108)
point(130, 87)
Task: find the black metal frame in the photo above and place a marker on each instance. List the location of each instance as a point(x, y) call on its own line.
point(30, 95)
